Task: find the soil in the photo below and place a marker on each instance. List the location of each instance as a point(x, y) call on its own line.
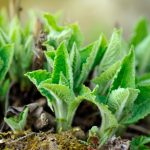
point(40, 141)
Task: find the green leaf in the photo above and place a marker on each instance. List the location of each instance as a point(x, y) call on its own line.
point(76, 36)
point(104, 79)
point(91, 60)
point(141, 108)
point(3, 38)
point(108, 74)
point(50, 56)
point(113, 52)
point(143, 84)
point(26, 54)
point(125, 76)
point(18, 123)
point(60, 92)
point(121, 102)
point(15, 33)
point(4, 90)
point(51, 19)
point(142, 52)
point(62, 64)
point(63, 80)
point(141, 30)
point(64, 35)
point(6, 55)
point(139, 111)
point(75, 59)
point(139, 143)
point(85, 52)
point(101, 51)
point(143, 80)
point(38, 76)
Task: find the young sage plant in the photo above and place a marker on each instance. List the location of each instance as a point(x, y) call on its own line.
point(104, 73)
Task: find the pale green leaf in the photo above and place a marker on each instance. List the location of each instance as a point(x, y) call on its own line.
point(52, 21)
point(50, 56)
point(121, 101)
point(18, 123)
point(142, 52)
point(104, 79)
point(108, 74)
point(109, 123)
point(113, 52)
point(141, 30)
point(76, 36)
point(60, 92)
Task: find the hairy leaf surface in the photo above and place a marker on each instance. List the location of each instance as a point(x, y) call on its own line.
point(125, 77)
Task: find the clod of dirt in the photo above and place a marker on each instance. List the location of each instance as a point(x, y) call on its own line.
point(117, 144)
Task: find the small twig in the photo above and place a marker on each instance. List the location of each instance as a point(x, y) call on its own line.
point(140, 129)
point(21, 138)
point(129, 135)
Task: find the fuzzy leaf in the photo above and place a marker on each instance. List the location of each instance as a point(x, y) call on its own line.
point(108, 74)
point(75, 59)
point(113, 52)
point(50, 56)
point(59, 92)
point(76, 36)
point(125, 77)
point(105, 78)
point(85, 52)
point(18, 123)
point(141, 107)
point(121, 101)
point(101, 51)
point(139, 111)
point(38, 76)
point(91, 60)
point(62, 64)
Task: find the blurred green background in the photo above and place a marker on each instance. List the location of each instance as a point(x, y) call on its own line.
point(94, 16)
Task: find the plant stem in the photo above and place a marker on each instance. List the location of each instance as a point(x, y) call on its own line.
point(14, 8)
